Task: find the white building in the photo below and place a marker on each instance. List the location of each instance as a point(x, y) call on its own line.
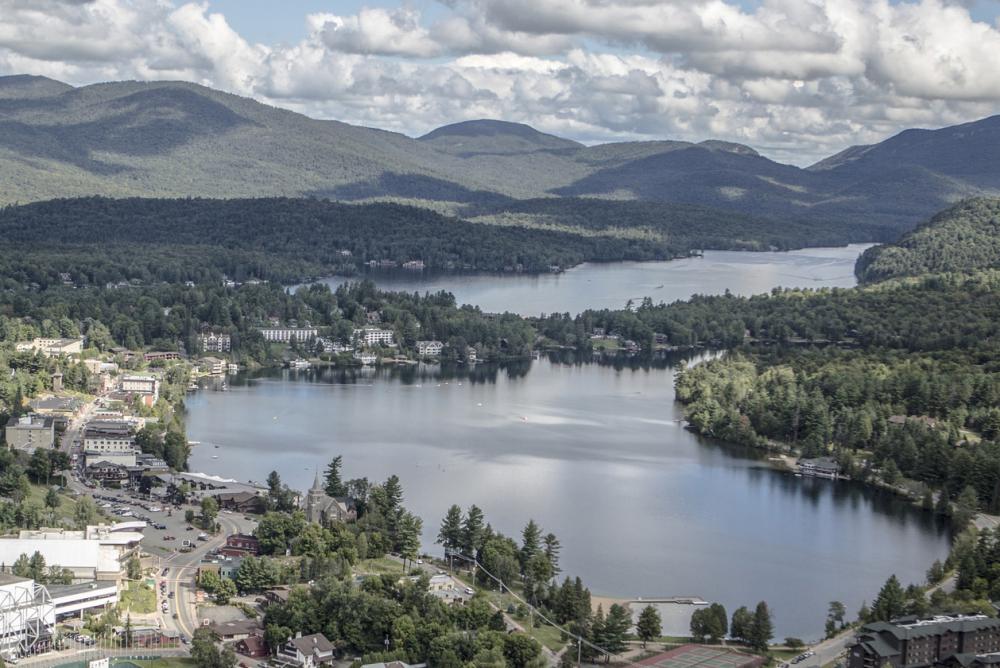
point(306, 651)
point(286, 334)
point(75, 599)
point(97, 553)
point(51, 347)
point(111, 436)
point(374, 336)
point(148, 386)
point(27, 616)
point(429, 348)
point(215, 343)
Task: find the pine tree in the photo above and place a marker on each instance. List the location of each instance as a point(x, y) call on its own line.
point(334, 484)
point(890, 602)
point(531, 545)
point(472, 531)
point(649, 625)
point(762, 629)
point(450, 534)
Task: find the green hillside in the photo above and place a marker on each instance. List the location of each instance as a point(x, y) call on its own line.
point(177, 139)
point(963, 238)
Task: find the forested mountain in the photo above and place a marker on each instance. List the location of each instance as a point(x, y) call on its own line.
point(965, 237)
point(176, 139)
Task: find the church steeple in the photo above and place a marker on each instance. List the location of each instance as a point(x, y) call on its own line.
point(317, 484)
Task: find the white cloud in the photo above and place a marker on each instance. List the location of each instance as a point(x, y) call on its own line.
point(796, 78)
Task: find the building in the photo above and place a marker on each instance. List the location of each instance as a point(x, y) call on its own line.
point(236, 630)
point(429, 348)
point(395, 664)
point(30, 432)
point(239, 545)
point(374, 336)
point(96, 366)
point(161, 356)
point(306, 651)
point(821, 467)
point(75, 599)
point(60, 408)
point(51, 347)
point(323, 509)
point(224, 567)
point(100, 552)
point(331, 347)
point(27, 617)
point(109, 442)
point(447, 589)
point(105, 472)
point(910, 642)
point(147, 387)
point(901, 420)
point(287, 334)
point(215, 343)
point(252, 646)
point(241, 502)
point(213, 365)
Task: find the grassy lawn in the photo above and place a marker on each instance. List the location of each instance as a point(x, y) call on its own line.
point(549, 636)
point(378, 566)
point(138, 598)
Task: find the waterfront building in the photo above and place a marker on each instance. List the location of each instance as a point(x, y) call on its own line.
point(374, 336)
point(27, 617)
point(287, 334)
point(429, 348)
point(912, 642)
point(215, 343)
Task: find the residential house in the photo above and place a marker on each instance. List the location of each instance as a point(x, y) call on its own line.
point(306, 651)
point(241, 502)
point(236, 630)
point(252, 646)
point(429, 348)
point(215, 343)
point(821, 467)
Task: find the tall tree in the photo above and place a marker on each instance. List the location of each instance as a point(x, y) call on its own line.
point(890, 602)
point(531, 543)
point(616, 626)
point(450, 534)
point(552, 548)
point(741, 627)
point(762, 629)
point(649, 625)
point(472, 531)
point(334, 483)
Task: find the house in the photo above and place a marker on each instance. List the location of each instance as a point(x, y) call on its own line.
point(429, 348)
point(447, 589)
point(471, 356)
point(241, 502)
point(240, 544)
point(224, 567)
point(910, 642)
point(925, 420)
point(366, 358)
point(306, 651)
point(236, 630)
point(821, 467)
point(213, 365)
point(277, 594)
point(374, 336)
point(323, 509)
point(30, 432)
point(252, 646)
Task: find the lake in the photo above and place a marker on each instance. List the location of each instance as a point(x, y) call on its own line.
point(611, 285)
point(595, 453)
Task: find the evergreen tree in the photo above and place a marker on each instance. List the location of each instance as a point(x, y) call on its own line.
point(649, 625)
point(450, 534)
point(741, 627)
point(616, 626)
point(334, 484)
point(472, 531)
point(890, 602)
point(762, 628)
point(530, 544)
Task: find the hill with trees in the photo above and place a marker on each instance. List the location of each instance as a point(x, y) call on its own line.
point(965, 237)
point(178, 139)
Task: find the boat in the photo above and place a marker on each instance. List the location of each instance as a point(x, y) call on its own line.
point(299, 363)
point(215, 456)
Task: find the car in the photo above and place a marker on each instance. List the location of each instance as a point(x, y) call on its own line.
point(189, 529)
point(169, 537)
point(165, 570)
point(420, 562)
point(170, 595)
point(203, 536)
point(175, 615)
point(184, 639)
point(470, 591)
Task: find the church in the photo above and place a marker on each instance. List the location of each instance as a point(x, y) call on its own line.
point(322, 509)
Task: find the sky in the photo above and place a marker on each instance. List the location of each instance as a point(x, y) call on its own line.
point(795, 79)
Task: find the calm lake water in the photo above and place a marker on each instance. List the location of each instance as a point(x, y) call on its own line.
point(596, 454)
point(611, 285)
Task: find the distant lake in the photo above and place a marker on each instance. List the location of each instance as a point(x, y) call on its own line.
point(611, 285)
point(594, 453)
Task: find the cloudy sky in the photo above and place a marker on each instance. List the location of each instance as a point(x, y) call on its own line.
point(795, 79)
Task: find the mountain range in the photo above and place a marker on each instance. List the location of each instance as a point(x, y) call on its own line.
point(176, 139)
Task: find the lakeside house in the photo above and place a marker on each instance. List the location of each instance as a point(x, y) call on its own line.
point(820, 467)
point(429, 348)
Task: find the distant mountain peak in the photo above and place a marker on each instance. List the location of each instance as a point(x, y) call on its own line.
point(30, 86)
point(489, 136)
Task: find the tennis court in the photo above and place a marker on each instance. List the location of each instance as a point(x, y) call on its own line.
point(700, 656)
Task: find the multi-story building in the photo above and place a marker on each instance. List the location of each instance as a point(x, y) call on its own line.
point(429, 348)
point(215, 343)
point(74, 599)
point(30, 432)
point(913, 642)
point(51, 347)
point(374, 336)
point(287, 334)
point(109, 442)
point(27, 616)
point(145, 386)
point(100, 552)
